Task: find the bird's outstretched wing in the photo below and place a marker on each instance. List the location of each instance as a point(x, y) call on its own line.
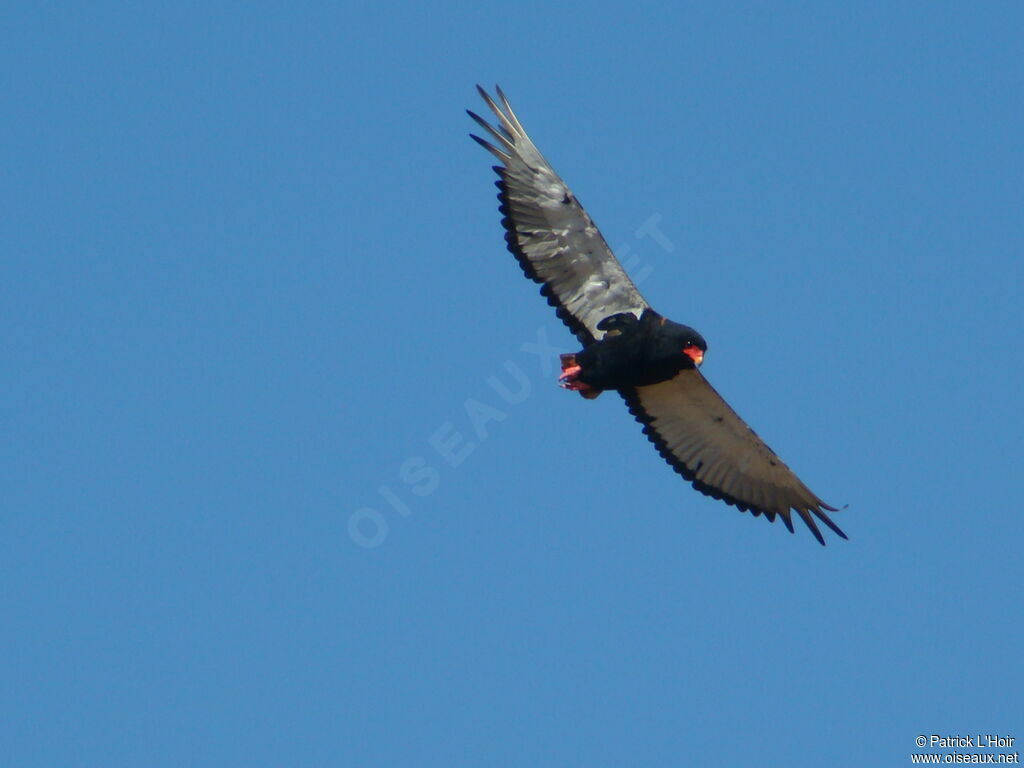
point(706, 442)
point(550, 234)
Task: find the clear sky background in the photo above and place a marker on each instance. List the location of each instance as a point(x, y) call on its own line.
point(253, 276)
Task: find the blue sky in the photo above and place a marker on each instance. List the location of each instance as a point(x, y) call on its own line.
point(288, 480)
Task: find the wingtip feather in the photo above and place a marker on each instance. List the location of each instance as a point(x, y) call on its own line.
point(828, 521)
point(490, 148)
point(805, 515)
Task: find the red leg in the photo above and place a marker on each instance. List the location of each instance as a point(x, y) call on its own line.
point(570, 378)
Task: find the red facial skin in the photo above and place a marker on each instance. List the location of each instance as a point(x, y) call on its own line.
point(693, 352)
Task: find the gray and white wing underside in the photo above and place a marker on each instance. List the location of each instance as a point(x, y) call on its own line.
point(555, 241)
point(707, 443)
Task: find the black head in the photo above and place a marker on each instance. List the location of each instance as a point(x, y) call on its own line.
point(676, 341)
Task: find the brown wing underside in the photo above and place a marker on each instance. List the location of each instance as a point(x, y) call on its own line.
point(707, 443)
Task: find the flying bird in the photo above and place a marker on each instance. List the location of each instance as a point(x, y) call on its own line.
point(652, 362)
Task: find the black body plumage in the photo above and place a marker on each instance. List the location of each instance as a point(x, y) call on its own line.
point(637, 352)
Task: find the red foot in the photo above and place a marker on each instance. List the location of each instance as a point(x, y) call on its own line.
point(570, 378)
point(570, 374)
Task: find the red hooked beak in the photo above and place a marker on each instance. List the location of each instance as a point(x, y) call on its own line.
point(693, 352)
